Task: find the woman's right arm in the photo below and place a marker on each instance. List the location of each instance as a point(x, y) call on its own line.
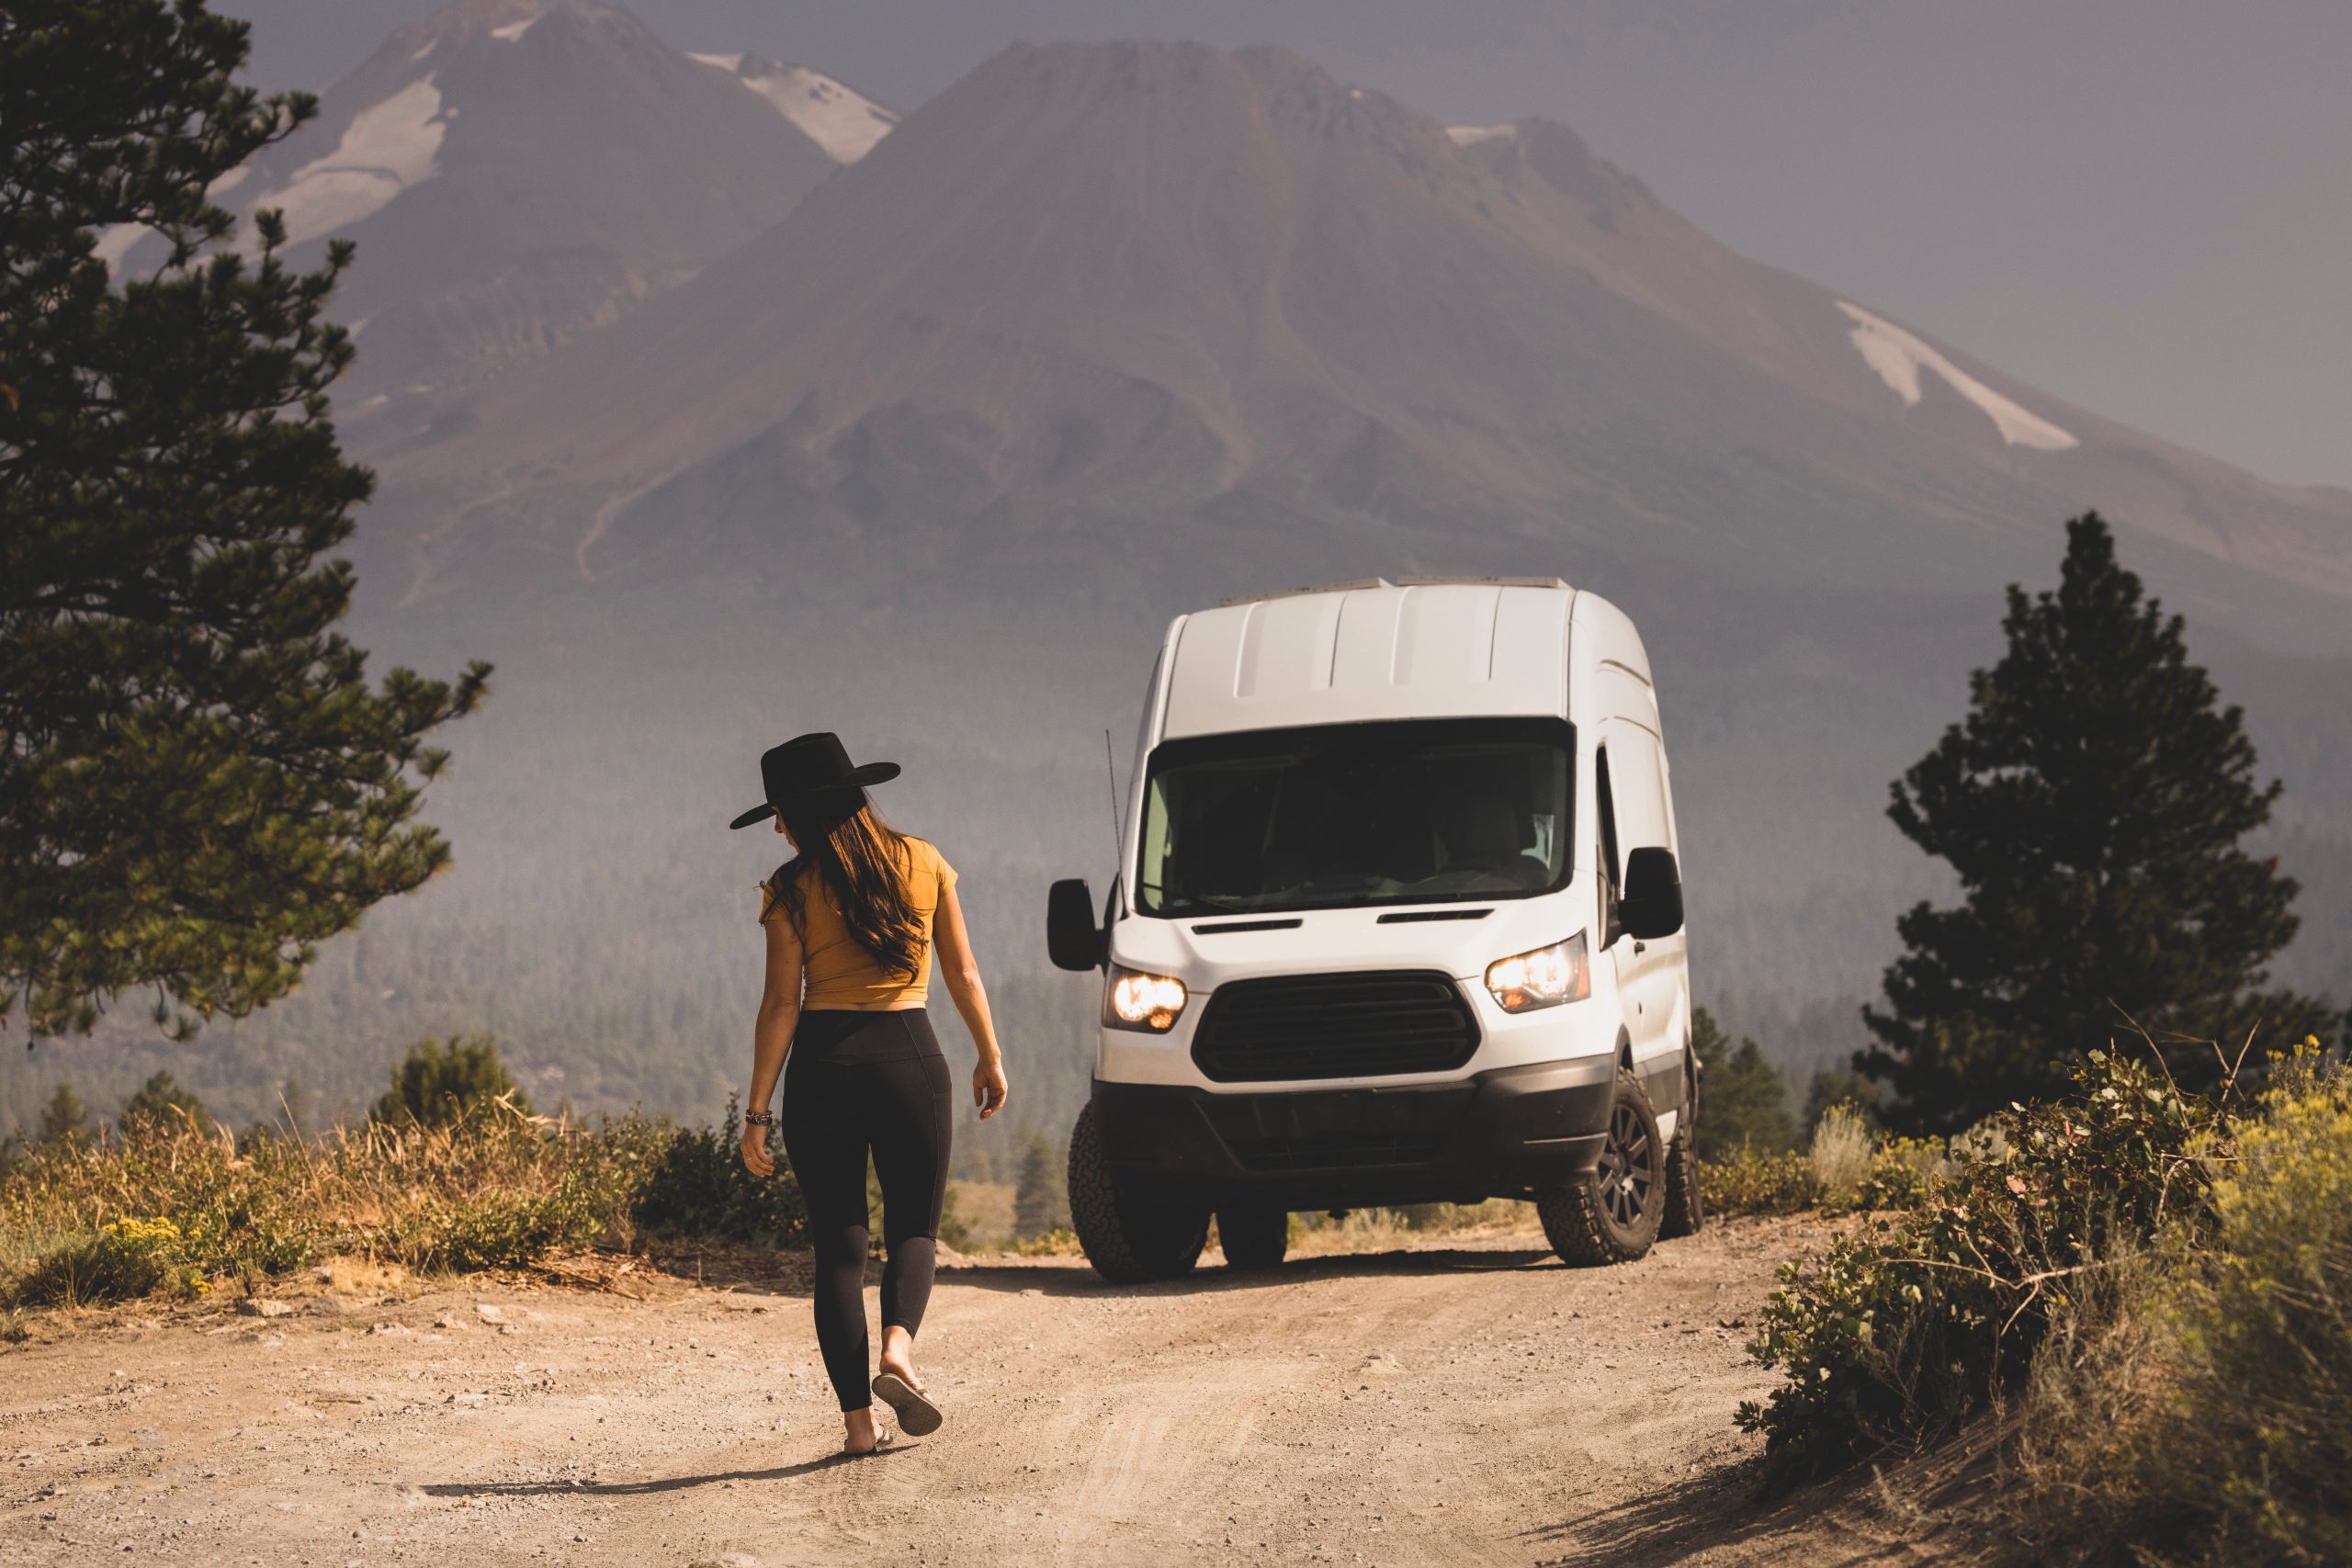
point(960, 970)
point(779, 1015)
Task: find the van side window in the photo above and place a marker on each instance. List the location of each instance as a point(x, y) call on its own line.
point(1612, 866)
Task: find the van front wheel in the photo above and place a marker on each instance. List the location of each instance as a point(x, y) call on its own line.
point(1612, 1214)
point(1132, 1235)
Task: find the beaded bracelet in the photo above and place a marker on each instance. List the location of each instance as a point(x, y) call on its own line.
point(759, 1118)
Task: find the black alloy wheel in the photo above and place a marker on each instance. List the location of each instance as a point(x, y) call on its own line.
point(1629, 1166)
point(1612, 1214)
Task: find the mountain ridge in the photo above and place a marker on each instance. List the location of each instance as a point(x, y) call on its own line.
point(1160, 280)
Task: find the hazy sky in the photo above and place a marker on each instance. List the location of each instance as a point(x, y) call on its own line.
point(2143, 207)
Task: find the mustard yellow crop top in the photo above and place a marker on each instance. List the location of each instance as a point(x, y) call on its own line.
point(838, 973)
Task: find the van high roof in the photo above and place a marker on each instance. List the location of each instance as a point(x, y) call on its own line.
point(1413, 648)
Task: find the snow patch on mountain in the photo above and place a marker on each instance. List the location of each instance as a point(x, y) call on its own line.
point(514, 30)
point(1471, 135)
point(1898, 357)
point(839, 118)
point(388, 147)
point(115, 242)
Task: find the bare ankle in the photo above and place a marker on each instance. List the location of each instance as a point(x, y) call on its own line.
point(857, 1431)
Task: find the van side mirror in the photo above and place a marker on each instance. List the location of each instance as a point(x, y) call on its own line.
point(1651, 905)
point(1072, 939)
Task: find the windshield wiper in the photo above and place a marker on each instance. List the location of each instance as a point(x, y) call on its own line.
point(1217, 906)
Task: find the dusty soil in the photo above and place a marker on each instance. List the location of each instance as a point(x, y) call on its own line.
point(1464, 1402)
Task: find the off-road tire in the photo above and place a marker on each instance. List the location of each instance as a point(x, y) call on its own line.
point(1685, 1212)
point(1130, 1236)
point(1253, 1237)
point(1612, 1214)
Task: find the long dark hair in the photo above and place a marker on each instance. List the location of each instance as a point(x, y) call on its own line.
point(866, 863)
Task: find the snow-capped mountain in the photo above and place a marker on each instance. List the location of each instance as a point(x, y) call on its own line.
point(1143, 289)
point(837, 117)
point(515, 174)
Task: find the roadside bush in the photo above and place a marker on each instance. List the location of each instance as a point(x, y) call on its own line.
point(432, 1087)
point(1845, 1168)
point(2266, 1332)
point(491, 1189)
point(161, 1104)
point(127, 1258)
point(1752, 1183)
point(2200, 1410)
point(694, 1184)
point(1913, 1324)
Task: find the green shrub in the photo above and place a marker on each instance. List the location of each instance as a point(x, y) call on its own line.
point(161, 1105)
point(695, 1187)
point(128, 1259)
point(1843, 1170)
point(1752, 1183)
point(433, 1087)
point(1911, 1325)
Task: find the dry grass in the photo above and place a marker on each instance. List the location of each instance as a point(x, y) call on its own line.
point(178, 1210)
point(1389, 1230)
point(1840, 1155)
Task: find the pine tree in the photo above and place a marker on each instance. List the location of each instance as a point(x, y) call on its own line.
point(1743, 1104)
point(2092, 804)
point(432, 1087)
point(161, 1105)
point(1041, 1200)
point(198, 782)
point(65, 1120)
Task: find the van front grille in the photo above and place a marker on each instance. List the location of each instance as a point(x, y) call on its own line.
point(1334, 1026)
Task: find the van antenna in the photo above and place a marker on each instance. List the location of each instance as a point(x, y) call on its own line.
point(1111, 773)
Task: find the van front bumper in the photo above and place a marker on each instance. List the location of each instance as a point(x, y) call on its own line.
point(1507, 1132)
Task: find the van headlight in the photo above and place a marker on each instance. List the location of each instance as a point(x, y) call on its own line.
point(1134, 1000)
point(1544, 978)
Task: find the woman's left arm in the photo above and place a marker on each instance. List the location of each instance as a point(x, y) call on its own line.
point(960, 970)
point(771, 1035)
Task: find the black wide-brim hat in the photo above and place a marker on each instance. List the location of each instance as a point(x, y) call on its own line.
point(806, 768)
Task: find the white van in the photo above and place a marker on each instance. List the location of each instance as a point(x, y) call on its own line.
point(1400, 922)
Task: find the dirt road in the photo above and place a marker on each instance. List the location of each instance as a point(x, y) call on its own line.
point(1473, 1404)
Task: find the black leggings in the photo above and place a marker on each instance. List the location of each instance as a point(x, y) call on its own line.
point(856, 1081)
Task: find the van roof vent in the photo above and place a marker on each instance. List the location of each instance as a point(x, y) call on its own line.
point(1299, 593)
point(1482, 582)
point(1349, 587)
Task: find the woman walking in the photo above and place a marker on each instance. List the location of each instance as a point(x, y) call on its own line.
point(850, 921)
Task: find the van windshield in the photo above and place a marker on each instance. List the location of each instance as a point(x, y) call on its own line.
point(1415, 811)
